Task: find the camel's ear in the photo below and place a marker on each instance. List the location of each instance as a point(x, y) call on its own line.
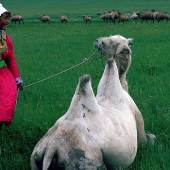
point(130, 40)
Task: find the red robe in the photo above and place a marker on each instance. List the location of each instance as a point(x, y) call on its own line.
point(8, 87)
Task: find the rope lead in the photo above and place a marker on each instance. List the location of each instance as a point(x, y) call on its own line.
point(84, 61)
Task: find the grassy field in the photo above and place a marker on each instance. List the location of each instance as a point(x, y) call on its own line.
point(45, 49)
point(73, 8)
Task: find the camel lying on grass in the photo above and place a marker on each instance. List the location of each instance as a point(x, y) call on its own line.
point(95, 132)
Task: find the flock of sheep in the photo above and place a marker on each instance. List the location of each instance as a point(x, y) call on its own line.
point(114, 16)
point(150, 15)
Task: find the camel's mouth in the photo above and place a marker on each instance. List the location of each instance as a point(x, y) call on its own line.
point(125, 51)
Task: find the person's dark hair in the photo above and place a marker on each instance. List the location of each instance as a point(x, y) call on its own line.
point(6, 14)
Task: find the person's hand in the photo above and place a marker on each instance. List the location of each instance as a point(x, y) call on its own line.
point(20, 86)
point(19, 83)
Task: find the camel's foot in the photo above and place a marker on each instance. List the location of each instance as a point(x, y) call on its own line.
point(150, 139)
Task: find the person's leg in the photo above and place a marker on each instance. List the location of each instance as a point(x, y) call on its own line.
point(1, 124)
point(7, 124)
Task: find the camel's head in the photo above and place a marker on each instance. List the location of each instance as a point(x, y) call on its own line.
point(114, 45)
point(117, 47)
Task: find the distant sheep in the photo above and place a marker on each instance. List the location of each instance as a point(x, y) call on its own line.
point(110, 16)
point(64, 19)
point(123, 19)
point(17, 18)
point(45, 19)
point(161, 16)
point(147, 16)
point(135, 16)
point(87, 19)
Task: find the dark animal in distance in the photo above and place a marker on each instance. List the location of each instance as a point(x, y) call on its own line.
point(45, 19)
point(17, 18)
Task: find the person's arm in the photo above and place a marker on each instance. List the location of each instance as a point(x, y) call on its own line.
point(11, 62)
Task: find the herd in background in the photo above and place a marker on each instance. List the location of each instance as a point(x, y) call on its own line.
point(114, 16)
point(148, 15)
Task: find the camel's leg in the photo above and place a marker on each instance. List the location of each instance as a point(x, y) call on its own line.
point(143, 137)
point(140, 128)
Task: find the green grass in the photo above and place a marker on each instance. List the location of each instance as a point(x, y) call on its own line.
point(45, 49)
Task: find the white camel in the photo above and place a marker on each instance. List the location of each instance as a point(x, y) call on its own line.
point(95, 131)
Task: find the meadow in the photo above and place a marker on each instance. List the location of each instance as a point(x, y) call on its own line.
point(45, 49)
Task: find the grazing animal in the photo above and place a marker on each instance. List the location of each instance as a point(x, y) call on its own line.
point(162, 16)
point(147, 16)
point(45, 19)
point(123, 19)
point(95, 132)
point(17, 18)
point(105, 17)
point(87, 19)
point(114, 16)
point(64, 19)
point(135, 16)
point(110, 16)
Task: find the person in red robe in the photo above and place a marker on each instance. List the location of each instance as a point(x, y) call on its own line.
point(10, 80)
